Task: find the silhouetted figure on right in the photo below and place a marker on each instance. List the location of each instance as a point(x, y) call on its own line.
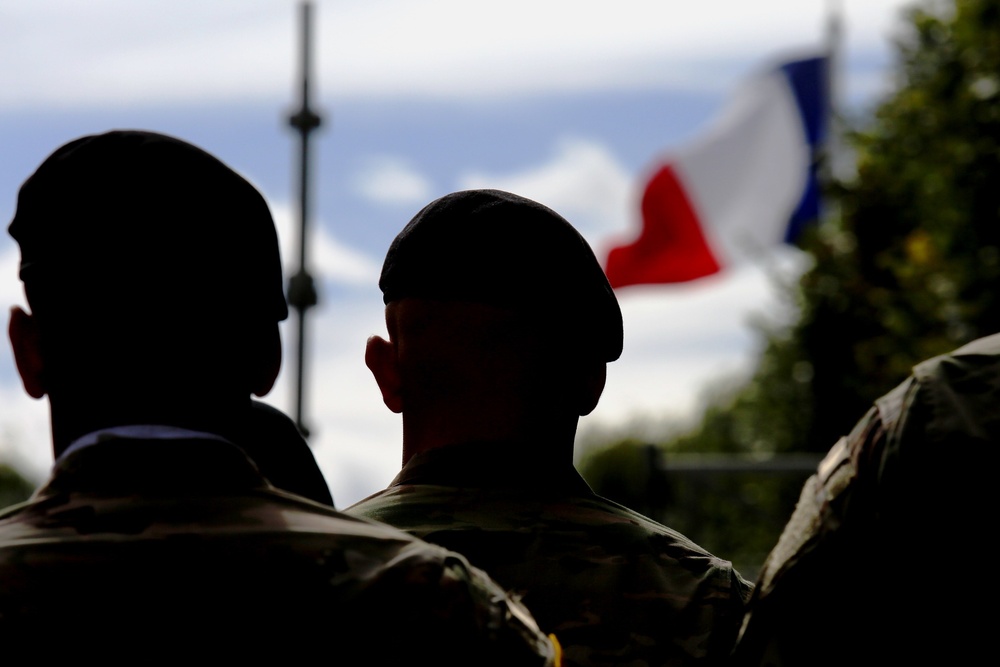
point(888, 558)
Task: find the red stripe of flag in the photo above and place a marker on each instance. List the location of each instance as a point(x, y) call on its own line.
point(671, 246)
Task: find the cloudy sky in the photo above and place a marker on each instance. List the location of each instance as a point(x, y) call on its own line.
point(569, 102)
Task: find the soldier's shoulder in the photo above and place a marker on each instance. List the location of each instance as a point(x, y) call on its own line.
point(318, 566)
point(439, 599)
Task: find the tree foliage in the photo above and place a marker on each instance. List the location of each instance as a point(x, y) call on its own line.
point(13, 487)
point(908, 268)
point(912, 267)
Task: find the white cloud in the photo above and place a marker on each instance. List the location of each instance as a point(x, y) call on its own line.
point(11, 291)
point(685, 339)
point(63, 52)
point(121, 52)
point(355, 438)
point(327, 258)
point(391, 180)
point(582, 181)
point(457, 48)
point(25, 440)
point(105, 53)
point(24, 430)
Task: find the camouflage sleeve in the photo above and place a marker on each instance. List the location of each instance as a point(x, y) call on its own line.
point(507, 620)
point(457, 613)
point(781, 624)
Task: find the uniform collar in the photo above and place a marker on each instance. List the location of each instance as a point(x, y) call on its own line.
point(153, 460)
point(492, 465)
point(137, 432)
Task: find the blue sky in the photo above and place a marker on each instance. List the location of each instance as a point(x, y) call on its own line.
point(565, 102)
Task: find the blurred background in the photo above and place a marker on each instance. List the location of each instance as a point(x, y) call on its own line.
point(730, 386)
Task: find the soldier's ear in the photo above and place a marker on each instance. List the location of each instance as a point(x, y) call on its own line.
point(25, 342)
point(380, 357)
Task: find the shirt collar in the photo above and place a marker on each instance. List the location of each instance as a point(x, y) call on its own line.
point(491, 465)
point(139, 432)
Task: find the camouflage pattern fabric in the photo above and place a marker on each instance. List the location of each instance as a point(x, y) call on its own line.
point(614, 586)
point(875, 564)
point(139, 550)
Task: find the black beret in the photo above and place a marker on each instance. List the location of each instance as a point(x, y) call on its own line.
point(144, 217)
point(490, 246)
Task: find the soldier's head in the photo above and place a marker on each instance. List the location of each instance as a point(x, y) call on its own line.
point(152, 273)
point(496, 299)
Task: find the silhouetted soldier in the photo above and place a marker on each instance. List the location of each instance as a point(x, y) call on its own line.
point(153, 277)
point(501, 325)
point(281, 452)
point(886, 559)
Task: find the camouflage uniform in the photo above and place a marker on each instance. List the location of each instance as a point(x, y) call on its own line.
point(140, 549)
point(877, 563)
point(614, 586)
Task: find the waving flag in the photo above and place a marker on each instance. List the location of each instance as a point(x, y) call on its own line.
point(748, 184)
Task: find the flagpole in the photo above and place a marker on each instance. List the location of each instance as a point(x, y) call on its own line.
point(301, 288)
point(834, 156)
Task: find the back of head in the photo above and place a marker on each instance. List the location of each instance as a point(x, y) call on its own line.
point(500, 249)
point(145, 259)
point(502, 322)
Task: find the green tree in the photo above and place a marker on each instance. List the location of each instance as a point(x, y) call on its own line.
point(13, 487)
point(909, 268)
point(912, 267)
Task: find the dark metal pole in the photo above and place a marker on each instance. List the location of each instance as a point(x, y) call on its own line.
point(301, 287)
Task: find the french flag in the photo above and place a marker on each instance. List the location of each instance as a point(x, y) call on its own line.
point(747, 184)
